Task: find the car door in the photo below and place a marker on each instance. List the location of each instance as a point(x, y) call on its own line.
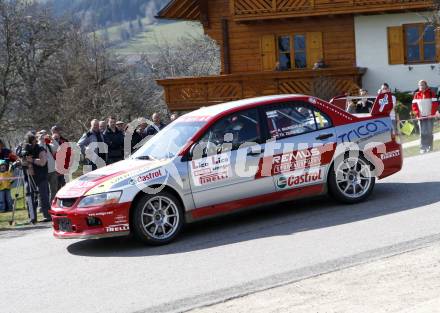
point(225, 161)
point(306, 142)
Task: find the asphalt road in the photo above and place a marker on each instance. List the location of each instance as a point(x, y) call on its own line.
point(221, 258)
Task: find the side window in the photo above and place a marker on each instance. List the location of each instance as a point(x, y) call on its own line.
point(231, 132)
point(288, 120)
point(322, 120)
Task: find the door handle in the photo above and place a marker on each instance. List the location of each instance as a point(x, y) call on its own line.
point(252, 153)
point(324, 136)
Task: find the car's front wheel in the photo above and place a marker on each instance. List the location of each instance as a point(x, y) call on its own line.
point(157, 219)
point(351, 180)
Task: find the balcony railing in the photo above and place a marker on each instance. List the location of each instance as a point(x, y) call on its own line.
point(263, 9)
point(183, 94)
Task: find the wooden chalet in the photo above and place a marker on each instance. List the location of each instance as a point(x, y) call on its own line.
point(270, 47)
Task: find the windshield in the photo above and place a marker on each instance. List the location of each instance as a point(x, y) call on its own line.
point(169, 141)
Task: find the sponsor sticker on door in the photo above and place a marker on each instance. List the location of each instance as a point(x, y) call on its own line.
point(294, 160)
point(298, 179)
point(211, 169)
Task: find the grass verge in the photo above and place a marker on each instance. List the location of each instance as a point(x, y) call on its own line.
point(21, 214)
point(412, 151)
point(416, 136)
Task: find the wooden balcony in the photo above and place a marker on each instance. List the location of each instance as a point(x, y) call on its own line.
point(267, 9)
point(184, 94)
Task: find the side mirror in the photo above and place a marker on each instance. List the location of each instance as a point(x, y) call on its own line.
point(195, 149)
point(191, 152)
point(202, 150)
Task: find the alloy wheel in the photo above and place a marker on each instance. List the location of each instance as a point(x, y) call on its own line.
point(353, 177)
point(160, 217)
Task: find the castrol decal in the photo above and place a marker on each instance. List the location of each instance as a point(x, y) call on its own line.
point(150, 176)
point(301, 178)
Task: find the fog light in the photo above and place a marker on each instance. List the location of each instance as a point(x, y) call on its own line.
point(93, 221)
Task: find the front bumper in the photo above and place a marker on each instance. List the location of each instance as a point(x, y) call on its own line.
point(91, 223)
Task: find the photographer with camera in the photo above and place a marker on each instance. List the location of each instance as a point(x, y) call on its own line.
point(33, 161)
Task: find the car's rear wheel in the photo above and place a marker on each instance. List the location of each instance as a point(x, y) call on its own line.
point(351, 180)
point(157, 219)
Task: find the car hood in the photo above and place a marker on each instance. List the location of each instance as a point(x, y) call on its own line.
point(99, 180)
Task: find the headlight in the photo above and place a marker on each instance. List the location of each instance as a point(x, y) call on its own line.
point(100, 199)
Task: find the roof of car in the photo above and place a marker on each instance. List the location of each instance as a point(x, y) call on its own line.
point(213, 110)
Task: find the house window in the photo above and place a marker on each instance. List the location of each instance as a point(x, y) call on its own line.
point(284, 52)
point(299, 43)
point(292, 51)
point(419, 43)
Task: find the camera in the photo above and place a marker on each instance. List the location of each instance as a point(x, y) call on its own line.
point(24, 150)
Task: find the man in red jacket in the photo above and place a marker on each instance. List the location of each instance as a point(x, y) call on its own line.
point(424, 106)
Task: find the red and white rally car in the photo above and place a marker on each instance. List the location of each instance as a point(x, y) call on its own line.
point(229, 157)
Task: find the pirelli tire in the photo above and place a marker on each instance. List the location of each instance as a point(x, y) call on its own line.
point(351, 179)
point(157, 219)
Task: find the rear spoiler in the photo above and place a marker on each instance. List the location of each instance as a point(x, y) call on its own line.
point(383, 103)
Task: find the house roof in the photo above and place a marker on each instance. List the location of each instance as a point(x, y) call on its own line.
point(181, 10)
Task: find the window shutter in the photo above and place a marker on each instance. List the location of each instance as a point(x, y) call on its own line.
point(396, 53)
point(314, 48)
point(268, 52)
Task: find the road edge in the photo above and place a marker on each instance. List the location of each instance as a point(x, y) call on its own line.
point(282, 279)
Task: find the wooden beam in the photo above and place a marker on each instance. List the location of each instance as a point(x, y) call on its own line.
point(328, 8)
point(193, 92)
point(226, 55)
point(204, 17)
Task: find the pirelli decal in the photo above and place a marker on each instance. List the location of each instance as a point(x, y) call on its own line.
point(211, 169)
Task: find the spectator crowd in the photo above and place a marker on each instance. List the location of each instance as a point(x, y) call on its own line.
point(37, 164)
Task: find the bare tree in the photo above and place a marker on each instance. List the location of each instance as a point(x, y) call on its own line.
point(190, 56)
point(54, 72)
point(8, 79)
point(434, 17)
point(41, 38)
